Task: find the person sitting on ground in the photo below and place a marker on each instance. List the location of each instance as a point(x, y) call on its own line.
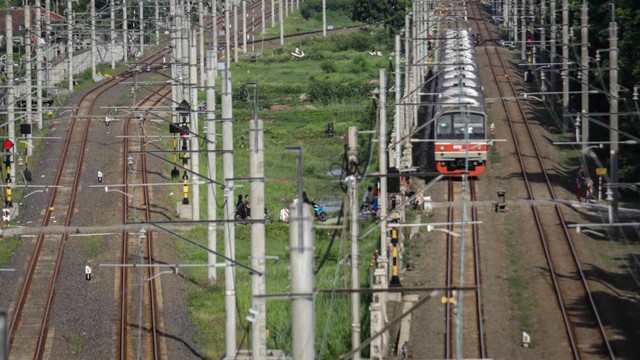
point(247, 205)
point(241, 208)
point(374, 205)
point(366, 199)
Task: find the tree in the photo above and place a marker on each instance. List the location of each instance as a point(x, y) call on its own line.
point(389, 12)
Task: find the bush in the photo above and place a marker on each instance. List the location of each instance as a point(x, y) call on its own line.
point(328, 66)
point(333, 91)
point(359, 65)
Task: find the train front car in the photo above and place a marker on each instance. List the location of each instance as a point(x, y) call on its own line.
point(459, 119)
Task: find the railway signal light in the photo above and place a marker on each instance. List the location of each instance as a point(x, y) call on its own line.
point(395, 278)
point(8, 144)
point(185, 189)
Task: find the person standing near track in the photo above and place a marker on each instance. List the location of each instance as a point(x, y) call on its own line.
point(580, 182)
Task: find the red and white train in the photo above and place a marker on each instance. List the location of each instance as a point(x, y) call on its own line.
point(456, 120)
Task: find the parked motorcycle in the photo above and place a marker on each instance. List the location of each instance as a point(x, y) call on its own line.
point(321, 215)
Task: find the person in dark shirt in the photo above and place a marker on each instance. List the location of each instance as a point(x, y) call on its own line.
point(580, 182)
point(241, 207)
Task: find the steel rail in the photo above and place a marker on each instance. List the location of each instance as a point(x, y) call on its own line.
point(449, 276)
point(593, 307)
point(122, 334)
point(154, 97)
point(478, 278)
point(26, 286)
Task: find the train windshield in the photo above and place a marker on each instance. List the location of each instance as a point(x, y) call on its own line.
point(457, 125)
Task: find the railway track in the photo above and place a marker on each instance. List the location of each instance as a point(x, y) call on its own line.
point(32, 310)
point(138, 249)
point(585, 332)
point(463, 269)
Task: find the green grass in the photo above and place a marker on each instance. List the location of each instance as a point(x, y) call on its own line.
point(283, 81)
point(519, 286)
point(8, 246)
point(93, 245)
point(294, 23)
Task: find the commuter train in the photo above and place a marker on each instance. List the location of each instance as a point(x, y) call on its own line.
point(454, 116)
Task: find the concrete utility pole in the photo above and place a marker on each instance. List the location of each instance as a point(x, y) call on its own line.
point(584, 54)
point(398, 109)
point(112, 6)
point(273, 13)
point(244, 26)
point(48, 61)
point(212, 209)
point(543, 32)
point(141, 27)
point(523, 37)
point(93, 39)
point(552, 42)
point(281, 22)
point(262, 10)
point(565, 62)
point(125, 32)
point(185, 25)
point(195, 156)
point(227, 173)
point(201, 42)
point(173, 58)
point(156, 17)
point(258, 251)
point(302, 306)
point(382, 168)
point(612, 193)
point(27, 76)
point(351, 179)
point(214, 30)
point(70, 44)
point(235, 31)
point(324, 18)
point(409, 56)
point(39, 45)
point(11, 97)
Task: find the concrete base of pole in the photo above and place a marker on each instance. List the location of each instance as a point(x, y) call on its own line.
point(184, 211)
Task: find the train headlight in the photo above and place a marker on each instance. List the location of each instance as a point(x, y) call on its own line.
point(441, 147)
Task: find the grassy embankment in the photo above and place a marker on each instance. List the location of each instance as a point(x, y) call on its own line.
point(336, 80)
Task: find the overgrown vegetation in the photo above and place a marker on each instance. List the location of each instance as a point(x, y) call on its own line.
point(8, 246)
point(312, 98)
point(519, 286)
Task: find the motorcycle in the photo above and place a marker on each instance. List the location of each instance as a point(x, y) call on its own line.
point(321, 215)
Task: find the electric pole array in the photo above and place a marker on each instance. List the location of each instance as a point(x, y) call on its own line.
point(70, 44)
point(39, 46)
point(258, 250)
point(212, 209)
point(584, 54)
point(27, 75)
point(352, 140)
point(229, 212)
point(302, 305)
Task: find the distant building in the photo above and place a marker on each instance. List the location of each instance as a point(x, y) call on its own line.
point(17, 18)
